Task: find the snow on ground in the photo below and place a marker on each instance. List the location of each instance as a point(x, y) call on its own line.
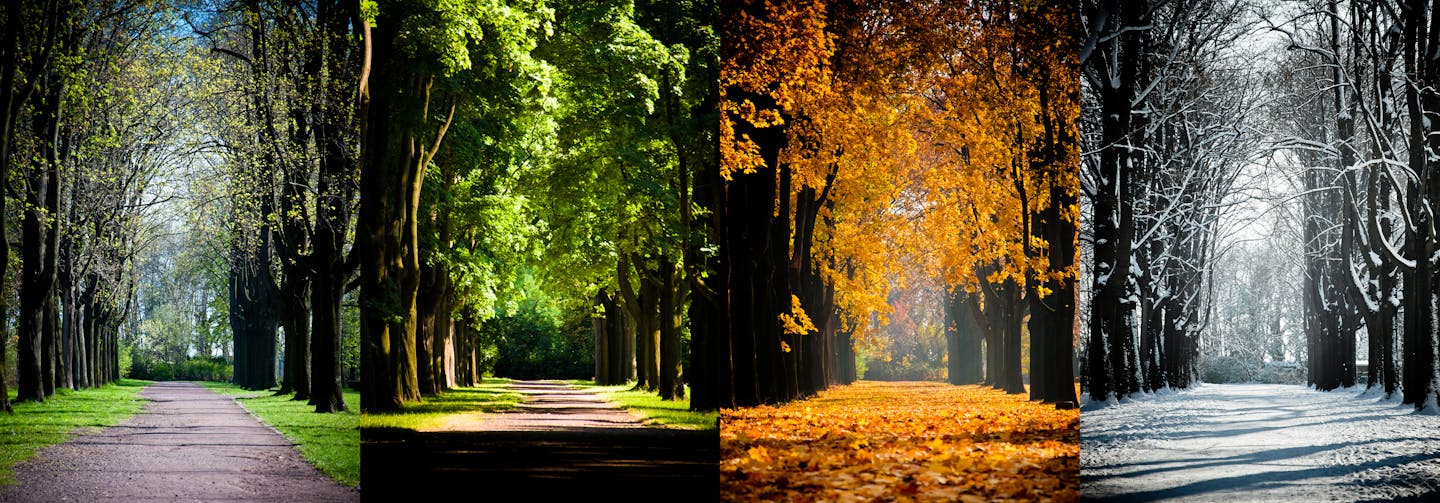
point(1259, 442)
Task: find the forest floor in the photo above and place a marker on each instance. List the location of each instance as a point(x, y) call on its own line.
point(1260, 442)
point(901, 441)
point(187, 443)
point(559, 441)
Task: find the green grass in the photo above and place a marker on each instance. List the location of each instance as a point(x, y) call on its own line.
point(434, 412)
point(673, 413)
point(35, 425)
point(331, 442)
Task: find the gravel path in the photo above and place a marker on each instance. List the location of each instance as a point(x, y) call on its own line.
point(1259, 442)
point(187, 444)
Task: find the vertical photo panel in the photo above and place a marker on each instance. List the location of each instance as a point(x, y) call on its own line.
point(1259, 241)
point(897, 233)
point(533, 241)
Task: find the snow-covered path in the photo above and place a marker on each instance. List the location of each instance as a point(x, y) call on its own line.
point(1259, 442)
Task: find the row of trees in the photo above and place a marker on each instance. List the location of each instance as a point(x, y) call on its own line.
point(1179, 113)
point(85, 129)
point(1257, 321)
point(277, 86)
point(1361, 131)
point(563, 137)
point(863, 143)
point(1169, 117)
point(577, 140)
point(560, 140)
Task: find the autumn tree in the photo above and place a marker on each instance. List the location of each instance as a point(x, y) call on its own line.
point(854, 136)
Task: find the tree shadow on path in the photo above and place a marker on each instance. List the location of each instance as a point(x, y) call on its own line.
point(1241, 484)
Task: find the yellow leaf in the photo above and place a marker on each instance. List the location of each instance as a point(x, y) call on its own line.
point(758, 454)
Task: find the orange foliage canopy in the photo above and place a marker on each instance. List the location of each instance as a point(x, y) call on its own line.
point(901, 441)
point(919, 117)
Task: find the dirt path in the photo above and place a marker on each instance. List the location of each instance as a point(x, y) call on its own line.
point(189, 444)
point(561, 443)
point(1259, 442)
point(549, 406)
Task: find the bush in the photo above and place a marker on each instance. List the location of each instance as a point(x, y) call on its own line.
point(531, 345)
point(126, 362)
point(1224, 369)
point(1281, 373)
point(203, 369)
point(195, 369)
point(904, 369)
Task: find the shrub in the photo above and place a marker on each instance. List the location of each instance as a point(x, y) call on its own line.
point(1224, 369)
point(1281, 373)
point(195, 369)
point(903, 369)
point(125, 360)
point(531, 345)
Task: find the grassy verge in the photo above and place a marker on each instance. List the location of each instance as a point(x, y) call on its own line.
point(36, 425)
point(331, 442)
point(673, 413)
point(433, 412)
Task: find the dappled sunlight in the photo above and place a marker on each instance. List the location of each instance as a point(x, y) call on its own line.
point(435, 412)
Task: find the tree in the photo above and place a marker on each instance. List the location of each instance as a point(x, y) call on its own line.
point(76, 108)
point(908, 125)
point(54, 32)
point(618, 195)
point(336, 188)
point(1112, 72)
point(1160, 182)
point(411, 51)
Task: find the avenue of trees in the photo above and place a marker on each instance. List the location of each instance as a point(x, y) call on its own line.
point(231, 179)
point(504, 139)
point(867, 145)
point(272, 185)
point(1167, 136)
point(86, 130)
point(1340, 111)
point(252, 181)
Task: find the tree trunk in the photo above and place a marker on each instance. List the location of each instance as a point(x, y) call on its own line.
point(670, 321)
point(962, 340)
point(335, 195)
point(427, 302)
point(1417, 368)
point(386, 235)
point(8, 104)
point(1108, 369)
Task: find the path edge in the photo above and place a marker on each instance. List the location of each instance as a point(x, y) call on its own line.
point(294, 445)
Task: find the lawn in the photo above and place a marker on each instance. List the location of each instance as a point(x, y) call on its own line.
point(672, 413)
point(434, 412)
point(331, 442)
point(35, 425)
